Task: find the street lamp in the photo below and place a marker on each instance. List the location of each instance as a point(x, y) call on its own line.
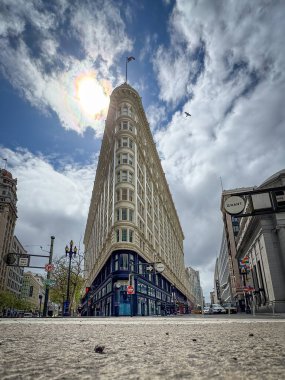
point(69, 251)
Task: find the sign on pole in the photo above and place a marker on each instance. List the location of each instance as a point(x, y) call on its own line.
point(234, 205)
point(49, 267)
point(24, 261)
point(159, 267)
point(130, 289)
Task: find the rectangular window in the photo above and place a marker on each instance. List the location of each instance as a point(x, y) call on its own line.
point(131, 195)
point(124, 158)
point(124, 261)
point(124, 176)
point(125, 125)
point(118, 213)
point(118, 235)
point(130, 177)
point(124, 234)
point(124, 141)
point(131, 215)
point(131, 159)
point(124, 214)
point(124, 194)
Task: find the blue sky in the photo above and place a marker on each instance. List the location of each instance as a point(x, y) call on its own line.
point(220, 60)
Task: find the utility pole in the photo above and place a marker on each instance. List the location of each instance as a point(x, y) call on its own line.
point(48, 277)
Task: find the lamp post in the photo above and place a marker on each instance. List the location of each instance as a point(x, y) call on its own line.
point(40, 298)
point(70, 251)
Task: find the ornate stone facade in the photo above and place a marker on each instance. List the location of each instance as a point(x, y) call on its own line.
point(131, 206)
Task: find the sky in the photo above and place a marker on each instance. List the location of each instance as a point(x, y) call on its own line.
point(221, 61)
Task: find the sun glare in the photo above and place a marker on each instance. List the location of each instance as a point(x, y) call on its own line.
point(91, 95)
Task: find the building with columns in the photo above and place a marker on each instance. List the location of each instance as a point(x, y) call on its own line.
point(261, 243)
point(8, 217)
point(255, 244)
point(132, 222)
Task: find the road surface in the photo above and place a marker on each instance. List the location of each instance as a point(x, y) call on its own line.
point(189, 347)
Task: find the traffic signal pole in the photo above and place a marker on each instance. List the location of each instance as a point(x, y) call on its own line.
point(48, 277)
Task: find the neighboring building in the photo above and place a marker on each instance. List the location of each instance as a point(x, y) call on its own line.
point(212, 297)
point(132, 221)
point(15, 274)
point(223, 279)
point(8, 216)
point(195, 286)
point(31, 289)
point(261, 244)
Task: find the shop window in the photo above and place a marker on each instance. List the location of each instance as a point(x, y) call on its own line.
point(116, 262)
point(124, 261)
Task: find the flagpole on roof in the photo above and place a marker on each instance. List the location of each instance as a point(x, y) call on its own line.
point(5, 159)
point(128, 59)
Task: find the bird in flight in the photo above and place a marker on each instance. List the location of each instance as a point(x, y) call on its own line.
point(187, 114)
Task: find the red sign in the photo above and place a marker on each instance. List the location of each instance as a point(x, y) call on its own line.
point(49, 267)
point(130, 289)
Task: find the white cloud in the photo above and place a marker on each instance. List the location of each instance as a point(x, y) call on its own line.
point(45, 74)
point(237, 128)
point(50, 201)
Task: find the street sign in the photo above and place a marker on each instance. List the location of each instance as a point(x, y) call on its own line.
point(234, 205)
point(49, 282)
point(130, 289)
point(49, 267)
point(149, 268)
point(159, 267)
point(24, 261)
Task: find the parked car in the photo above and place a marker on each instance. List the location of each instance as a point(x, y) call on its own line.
point(230, 308)
point(28, 315)
point(217, 309)
point(207, 310)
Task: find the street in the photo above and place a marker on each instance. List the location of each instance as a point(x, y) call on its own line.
point(182, 347)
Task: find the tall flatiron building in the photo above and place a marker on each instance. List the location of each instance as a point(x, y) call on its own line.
point(132, 230)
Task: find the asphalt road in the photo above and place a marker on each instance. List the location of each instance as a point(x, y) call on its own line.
point(192, 347)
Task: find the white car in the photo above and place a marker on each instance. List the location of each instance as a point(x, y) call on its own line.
point(218, 309)
point(28, 315)
point(206, 310)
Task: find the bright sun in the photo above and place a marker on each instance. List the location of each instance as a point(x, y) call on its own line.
point(91, 95)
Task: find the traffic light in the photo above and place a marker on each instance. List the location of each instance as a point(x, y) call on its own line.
point(10, 259)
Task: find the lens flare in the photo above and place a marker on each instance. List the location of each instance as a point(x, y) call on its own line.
point(91, 95)
point(86, 99)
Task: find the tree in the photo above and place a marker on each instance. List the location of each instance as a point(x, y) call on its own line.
point(60, 274)
point(9, 300)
